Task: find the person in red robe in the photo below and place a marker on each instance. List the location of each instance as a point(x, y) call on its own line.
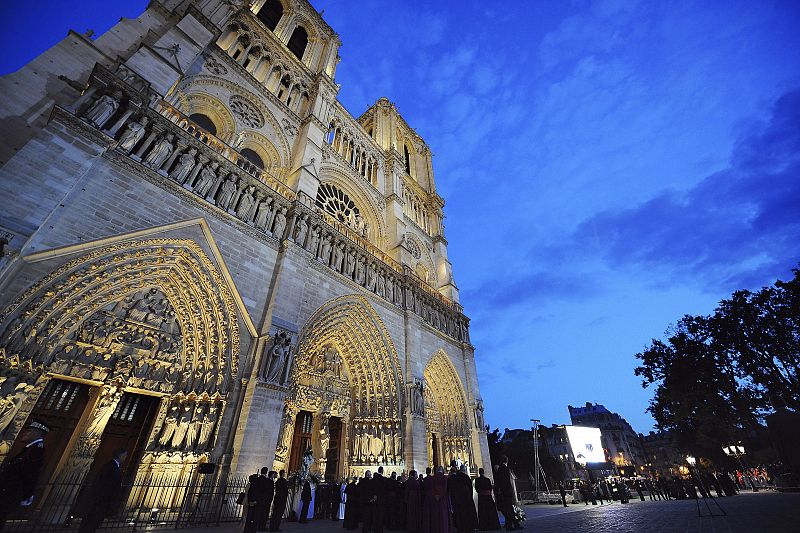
point(413, 503)
point(436, 518)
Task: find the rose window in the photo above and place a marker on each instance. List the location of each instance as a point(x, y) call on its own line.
point(336, 203)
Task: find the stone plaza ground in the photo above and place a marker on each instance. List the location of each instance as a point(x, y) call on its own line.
point(746, 513)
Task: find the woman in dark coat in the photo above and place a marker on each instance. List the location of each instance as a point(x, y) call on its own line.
point(413, 503)
point(487, 510)
point(351, 508)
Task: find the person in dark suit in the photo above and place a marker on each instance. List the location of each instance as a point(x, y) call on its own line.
point(305, 497)
point(269, 496)
point(487, 510)
point(504, 490)
point(19, 474)
point(104, 492)
point(261, 495)
point(279, 504)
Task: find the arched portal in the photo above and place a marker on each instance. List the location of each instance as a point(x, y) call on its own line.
point(347, 376)
point(446, 414)
point(152, 317)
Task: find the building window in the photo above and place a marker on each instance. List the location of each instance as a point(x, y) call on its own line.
point(335, 202)
point(204, 122)
point(407, 159)
point(270, 14)
point(253, 157)
point(298, 42)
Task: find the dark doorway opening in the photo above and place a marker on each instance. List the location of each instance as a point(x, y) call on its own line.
point(204, 122)
point(435, 450)
point(301, 441)
point(60, 407)
point(332, 454)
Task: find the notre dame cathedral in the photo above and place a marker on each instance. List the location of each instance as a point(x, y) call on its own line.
point(207, 259)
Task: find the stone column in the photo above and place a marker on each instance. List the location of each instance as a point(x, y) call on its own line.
point(122, 120)
point(285, 437)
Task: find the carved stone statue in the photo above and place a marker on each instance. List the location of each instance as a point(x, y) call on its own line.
point(280, 223)
point(349, 262)
point(325, 249)
point(206, 180)
point(324, 437)
point(380, 285)
point(134, 132)
point(184, 167)
point(338, 257)
point(264, 213)
point(371, 277)
point(300, 230)
point(278, 355)
point(359, 224)
point(226, 194)
point(356, 446)
point(160, 152)
point(246, 204)
point(9, 406)
point(313, 241)
point(194, 428)
point(360, 268)
point(104, 108)
point(207, 426)
point(183, 426)
point(390, 288)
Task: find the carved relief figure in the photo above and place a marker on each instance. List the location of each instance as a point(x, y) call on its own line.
point(160, 152)
point(184, 167)
point(350, 263)
point(104, 108)
point(226, 194)
point(278, 355)
point(207, 426)
point(245, 204)
point(264, 214)
point(390, 288)
point(9, 406)
point(325, 249)
point(360, 270)
point(300, 230)
point(313, 240)
point(134, 132)
point(207, 178)
point(194, 427)
point(371, 278)
point(338, 257)
point(280, 223)
point(183, 426)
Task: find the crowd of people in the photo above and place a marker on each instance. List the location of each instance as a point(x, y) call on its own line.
point(434, 502)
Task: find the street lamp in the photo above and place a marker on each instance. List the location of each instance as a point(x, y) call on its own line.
point(737, 450)
point(691, 460)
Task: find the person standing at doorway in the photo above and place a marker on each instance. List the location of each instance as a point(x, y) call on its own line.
point(487, 510)
point(19, 474)
point(263, 489)
point(104, 492)
point(305, 497)
point(279, 505)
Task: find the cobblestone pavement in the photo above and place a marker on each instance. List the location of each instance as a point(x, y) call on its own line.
point(746, 513)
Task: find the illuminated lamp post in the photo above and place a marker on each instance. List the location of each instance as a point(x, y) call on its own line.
point(692, 462)
point(737, 451)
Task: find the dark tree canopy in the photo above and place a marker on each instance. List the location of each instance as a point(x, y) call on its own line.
point(716, 377)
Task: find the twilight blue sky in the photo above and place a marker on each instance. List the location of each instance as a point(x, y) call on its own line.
point(607, 166)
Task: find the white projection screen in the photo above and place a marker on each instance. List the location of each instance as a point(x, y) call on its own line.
point(585, 444)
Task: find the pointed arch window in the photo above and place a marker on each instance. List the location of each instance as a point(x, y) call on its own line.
point(298, 42)
point(407, 159)
point(270, 13)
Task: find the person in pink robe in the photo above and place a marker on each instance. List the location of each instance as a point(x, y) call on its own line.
point(436, 515)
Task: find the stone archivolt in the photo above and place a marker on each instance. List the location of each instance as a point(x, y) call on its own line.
point(446, 410)
point(153, 315)
point(347, 366)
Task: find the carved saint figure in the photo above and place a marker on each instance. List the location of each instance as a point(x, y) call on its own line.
point(206, 180)
point(300, 230)
point(381, 284)
point(356, 446)
point(278, 355)
point(160, 152)
point(325, 249)
point(349, 262)
point(359, 224)
point(280, 223)
point(390, 288)
point(360, 270)
point(324, 436)
point(264, 213)
point(134, 131)
point(371, 278)
point(246, 204)
point(184, 167)
point(11, 404)
point(183, 426)
point(226, 194)
point(170, 425)
point(207, 426)
point(338, 257)
point(194, 427)
point(104, 108)
point(313, 240)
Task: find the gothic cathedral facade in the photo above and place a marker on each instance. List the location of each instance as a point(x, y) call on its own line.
point(207, 259)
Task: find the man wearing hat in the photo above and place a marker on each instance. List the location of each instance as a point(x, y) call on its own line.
point(18, 474)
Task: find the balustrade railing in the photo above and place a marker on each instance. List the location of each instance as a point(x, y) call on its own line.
point(163, 140)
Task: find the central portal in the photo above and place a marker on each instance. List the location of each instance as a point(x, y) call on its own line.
point(346, 376)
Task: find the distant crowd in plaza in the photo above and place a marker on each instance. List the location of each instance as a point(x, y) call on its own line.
point(434, 502)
